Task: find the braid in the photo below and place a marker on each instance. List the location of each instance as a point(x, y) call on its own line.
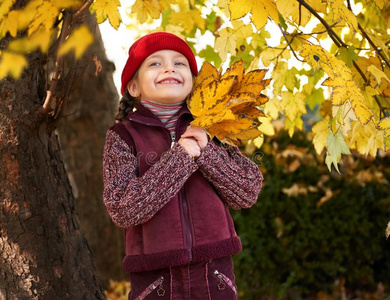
point(126, 105)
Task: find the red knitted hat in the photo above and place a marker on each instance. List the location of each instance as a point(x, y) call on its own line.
point(149, 44)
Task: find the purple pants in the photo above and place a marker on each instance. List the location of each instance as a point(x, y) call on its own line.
point(210, 280)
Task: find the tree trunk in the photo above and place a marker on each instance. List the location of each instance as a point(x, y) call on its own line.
point(89, 112)
point(43, 253)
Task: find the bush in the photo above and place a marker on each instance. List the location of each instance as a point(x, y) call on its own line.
point(312, 228)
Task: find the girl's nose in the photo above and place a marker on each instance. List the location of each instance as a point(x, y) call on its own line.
point(169, 68)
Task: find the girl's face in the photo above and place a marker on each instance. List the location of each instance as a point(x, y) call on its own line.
point(164, 76)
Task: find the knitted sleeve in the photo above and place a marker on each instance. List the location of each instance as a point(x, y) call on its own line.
point(132, 200)
point(237, 179)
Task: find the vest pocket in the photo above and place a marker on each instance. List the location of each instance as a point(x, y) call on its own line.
point(156, 285)
point(224, 281)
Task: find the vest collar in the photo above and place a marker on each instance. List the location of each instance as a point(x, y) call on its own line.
point(144, 115)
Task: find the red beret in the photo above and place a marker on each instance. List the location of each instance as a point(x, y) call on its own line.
point(149, 44)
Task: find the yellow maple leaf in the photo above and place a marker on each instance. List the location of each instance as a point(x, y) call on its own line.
point(215, 90)
point(378, 74)
point(321, 132)
point(384, 125)
point(225, 42)
point(9, 24)
point(223, 105)
point(79, 40)
point(45, 15)
point(340, 79)
point(107, 9)
point(348, 90)
point(12, 64)
point(241, 29)
point(27, 14)
point(189, 20)
point(145, 8)
point(379, 3)
point(272, 108)
point(292, 9)
point(39, 39)
point(266, 126)
point(342, 13)
point(260, 11)
point(290, 125)
point(207, 72)
point(293, 104)
point(5, 7)
point(319, 6)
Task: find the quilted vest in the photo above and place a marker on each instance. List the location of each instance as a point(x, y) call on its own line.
point(194, 226)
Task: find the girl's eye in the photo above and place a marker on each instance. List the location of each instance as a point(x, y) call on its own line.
point(179, 63)
point(154, 64)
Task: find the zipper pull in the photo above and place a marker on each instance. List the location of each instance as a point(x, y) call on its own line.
point(173, 138)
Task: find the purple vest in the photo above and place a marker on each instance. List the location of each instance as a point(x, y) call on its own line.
point(194, 226)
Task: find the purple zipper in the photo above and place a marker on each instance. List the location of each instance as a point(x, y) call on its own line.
point(186, 216)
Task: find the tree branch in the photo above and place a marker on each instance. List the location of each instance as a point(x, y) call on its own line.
point(288, 42)
point(57, 65)
point(78, 13)
point(375, 47)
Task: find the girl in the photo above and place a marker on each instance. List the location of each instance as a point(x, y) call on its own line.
point(170, 187)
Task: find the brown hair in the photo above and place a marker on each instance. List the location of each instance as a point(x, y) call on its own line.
point(126, 105)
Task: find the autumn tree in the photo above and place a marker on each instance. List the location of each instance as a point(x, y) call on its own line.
point(44, 252)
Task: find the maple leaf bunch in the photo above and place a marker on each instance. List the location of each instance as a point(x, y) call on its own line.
point(227, 105)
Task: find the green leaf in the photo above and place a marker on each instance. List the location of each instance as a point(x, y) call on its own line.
point(347, 55)
point(336, 146)
point(211, 56)
point(282, 22)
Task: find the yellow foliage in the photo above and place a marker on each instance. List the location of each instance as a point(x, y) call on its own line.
point(378, 74)
point(5, 6)
point(118, 290)
point(145, 8)
point(227, 105)
point(291, 9)
point(384, 125)
point(226, 42)
point(342, 13)
point(12, 64)
point(340, 79)
point(321, 132)
point(189, 20)
point(9, 24)
point(45, 15)
point(107, 9)
point(366, 139)
point(260, 11)
point(39, 39)
point(78, 42)
point(379, 3)
point(293, 104)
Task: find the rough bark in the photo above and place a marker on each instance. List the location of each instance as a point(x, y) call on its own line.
point(89, 112)
point(43, 253)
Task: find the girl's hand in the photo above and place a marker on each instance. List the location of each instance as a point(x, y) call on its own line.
point(197, 134)
point(191, 146)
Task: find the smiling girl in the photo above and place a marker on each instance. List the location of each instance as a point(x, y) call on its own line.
point(168, 185)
